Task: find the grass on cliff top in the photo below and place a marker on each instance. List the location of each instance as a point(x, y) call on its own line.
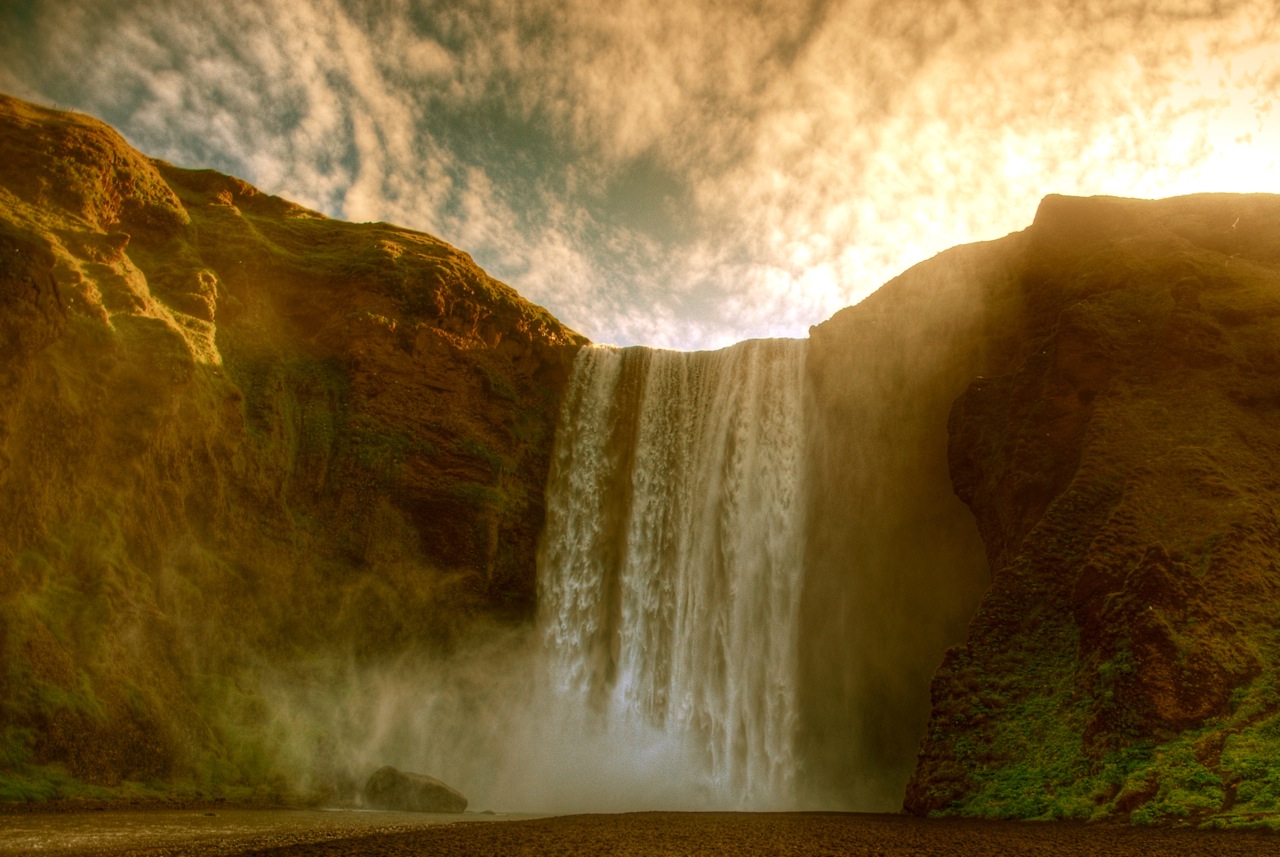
point(401, 262)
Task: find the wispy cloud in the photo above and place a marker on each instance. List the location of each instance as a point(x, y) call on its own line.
point(679, 173)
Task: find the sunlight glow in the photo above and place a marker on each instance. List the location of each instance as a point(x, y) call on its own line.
point(684, 173)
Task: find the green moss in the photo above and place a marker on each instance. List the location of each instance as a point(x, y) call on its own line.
point(1031, 764)
point(529, 427)
point(497, 464)
point(1251, 759)
point(380, 450)
point(497, 383)
point(475, 494)
point(300, 403)
point(34, 569)
point(38, 783)
point(28, 784)
point(16, 744)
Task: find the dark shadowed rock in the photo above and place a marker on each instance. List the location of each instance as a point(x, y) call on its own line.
point(390, 788)
point(1121, 470)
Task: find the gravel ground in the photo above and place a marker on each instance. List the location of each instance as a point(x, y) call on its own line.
point(791, 834)
point(204, 832)
point(294, 832)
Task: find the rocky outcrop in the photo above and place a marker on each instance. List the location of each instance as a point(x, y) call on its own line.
point(389, 788)
point(232, 432)
point(1120, 458)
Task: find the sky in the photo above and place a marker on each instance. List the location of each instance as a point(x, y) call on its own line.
point(678, 173)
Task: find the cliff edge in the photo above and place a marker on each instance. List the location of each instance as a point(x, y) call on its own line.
point(234, 432)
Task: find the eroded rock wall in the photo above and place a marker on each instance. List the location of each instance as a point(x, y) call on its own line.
point(1122, 473)
point(236, 432)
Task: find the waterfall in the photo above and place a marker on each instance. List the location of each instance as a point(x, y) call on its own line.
point(751, 565)
point(670, 570)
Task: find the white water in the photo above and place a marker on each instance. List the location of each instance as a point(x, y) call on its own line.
point(667, 669)
point(694, 521)
point(670, 573)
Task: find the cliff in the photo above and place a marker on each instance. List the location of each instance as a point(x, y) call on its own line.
point(1120, 454)
point(258, 466)
point(894, 567)
point(236, 433)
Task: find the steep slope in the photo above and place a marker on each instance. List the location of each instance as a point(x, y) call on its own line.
point(234, 432)
point(243, 446)
point(894, 567)
point(1122, 471)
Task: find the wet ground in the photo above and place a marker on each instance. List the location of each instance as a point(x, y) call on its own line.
point(302, 832)
point(204, 831)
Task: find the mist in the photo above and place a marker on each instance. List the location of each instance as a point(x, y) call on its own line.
point(489, 719)
point(753, 563)
point(894, 566)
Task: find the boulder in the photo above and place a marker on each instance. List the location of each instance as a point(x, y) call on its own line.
point(389, 788)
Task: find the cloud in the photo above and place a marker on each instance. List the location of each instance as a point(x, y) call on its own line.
point(679, 173)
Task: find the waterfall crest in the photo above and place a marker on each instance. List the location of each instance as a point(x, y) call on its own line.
point(670, 570)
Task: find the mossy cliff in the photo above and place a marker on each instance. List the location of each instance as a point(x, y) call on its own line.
point(1120, 455)
point(236, 432)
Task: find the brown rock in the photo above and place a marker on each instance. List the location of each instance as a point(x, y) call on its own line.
point(1120, 471)
point(234, 432)
point(389, 788)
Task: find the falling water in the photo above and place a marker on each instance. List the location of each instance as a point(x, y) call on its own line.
point(670, 570)
point(751, 566)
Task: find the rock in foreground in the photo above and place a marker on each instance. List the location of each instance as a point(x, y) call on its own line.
point(390, 788)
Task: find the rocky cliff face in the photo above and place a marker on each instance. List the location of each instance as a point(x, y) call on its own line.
point(235, 432)
point(239, 438)
point(1120, 458)
point(894, 567)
